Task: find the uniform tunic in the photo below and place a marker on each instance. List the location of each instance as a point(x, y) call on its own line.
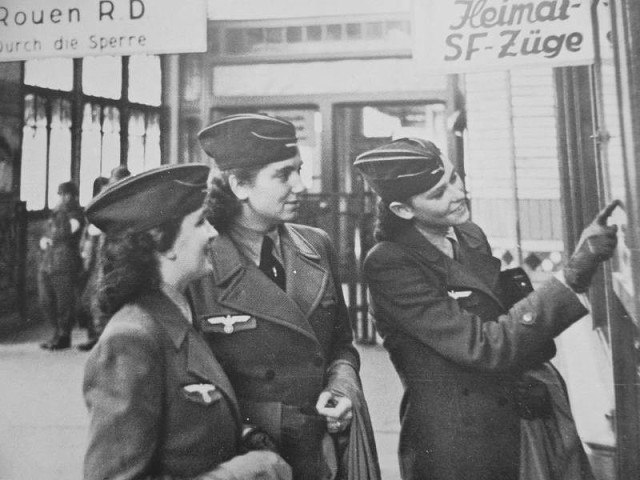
point(458, 351)
point(160, 404)
point(59, 268)
point(277, 347)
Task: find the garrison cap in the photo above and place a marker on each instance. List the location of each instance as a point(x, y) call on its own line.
point(249, 140)
point(144, 201)
point(402, 168)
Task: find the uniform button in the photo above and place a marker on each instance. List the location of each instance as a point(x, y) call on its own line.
point(465, 392)
point(527, 318)
point(502, 401)
point(269, 375)
point(318, 361)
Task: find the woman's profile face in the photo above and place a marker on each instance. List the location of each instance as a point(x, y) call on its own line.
point(192, 245)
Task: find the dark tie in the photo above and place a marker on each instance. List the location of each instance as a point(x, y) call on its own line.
point(270, 265)
point(455, 248)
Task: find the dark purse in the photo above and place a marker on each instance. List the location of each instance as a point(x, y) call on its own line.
point(514, 285)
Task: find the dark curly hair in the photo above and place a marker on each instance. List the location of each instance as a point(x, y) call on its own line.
point(222, 204)
point(387, 223)
point(129, 267)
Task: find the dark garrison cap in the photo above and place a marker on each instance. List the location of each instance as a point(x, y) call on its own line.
point(144, 201)
point(249, 140)
point(402, 168)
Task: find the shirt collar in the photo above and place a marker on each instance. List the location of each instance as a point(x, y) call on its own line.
point(249, 242)
point(440, 241)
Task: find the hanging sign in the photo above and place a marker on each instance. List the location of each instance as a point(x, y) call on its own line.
point(76, 28)
point(475, 35)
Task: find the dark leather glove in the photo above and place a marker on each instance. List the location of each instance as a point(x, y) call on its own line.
point(597, 243)
point(255, 438)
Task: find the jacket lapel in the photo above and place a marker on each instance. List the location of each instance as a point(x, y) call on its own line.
point(306, 277)
point(246, 289)
point(200, 361)
point(473, 270)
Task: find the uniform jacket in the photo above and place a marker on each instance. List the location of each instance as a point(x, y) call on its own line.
point(160, 405)
point(62, 255)
point(458, 351)
point(277, 347)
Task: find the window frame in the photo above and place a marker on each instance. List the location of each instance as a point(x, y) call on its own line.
point(78, 99)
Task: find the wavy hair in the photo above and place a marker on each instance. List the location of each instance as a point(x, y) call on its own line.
point(222, 204)
point(387, 223)
point(129, 267)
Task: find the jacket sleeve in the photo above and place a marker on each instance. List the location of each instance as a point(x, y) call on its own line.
point(123, 386)
point(409, 298)
point(253, 465)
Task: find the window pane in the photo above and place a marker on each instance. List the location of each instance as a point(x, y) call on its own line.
point(102, 76)
point(56, 73)
point(145, 79)
point(34, 154)
point(59, 148)
point(110, 139)
point(135, 159)
point(90, 167)
point(152, 156)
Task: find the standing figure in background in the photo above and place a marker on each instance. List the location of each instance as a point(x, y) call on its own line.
point(118, 173)
point(473, 363)
point(90, 243)
point(273, 309)
point(60, 266)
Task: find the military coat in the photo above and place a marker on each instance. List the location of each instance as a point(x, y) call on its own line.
point(277, 347)
point(458, 351)
point(160, 405)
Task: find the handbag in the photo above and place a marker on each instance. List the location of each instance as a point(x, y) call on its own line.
point(550, 448)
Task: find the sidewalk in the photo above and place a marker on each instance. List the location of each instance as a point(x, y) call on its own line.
point(43, 420)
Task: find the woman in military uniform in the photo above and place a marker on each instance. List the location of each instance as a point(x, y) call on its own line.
point(160, 404)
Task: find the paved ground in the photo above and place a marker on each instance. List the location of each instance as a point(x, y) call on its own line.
point(43, 421)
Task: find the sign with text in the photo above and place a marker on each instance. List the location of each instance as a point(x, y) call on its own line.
point(476, 35)
point(76, 28)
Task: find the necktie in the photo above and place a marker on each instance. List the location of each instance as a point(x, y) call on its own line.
point(270, 265)
point(454, 248)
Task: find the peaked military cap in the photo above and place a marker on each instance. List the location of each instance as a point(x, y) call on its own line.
point(249, 140)
point(144, 201)
point(402, 168)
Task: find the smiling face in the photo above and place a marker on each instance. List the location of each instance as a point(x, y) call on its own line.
point(191, 246)
point(441, 207)
point(273, 197)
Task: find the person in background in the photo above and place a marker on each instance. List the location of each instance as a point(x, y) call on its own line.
point(60, 266)
point(90, 243)
point(160, 405)
point(118, 173)
point(273, 309)
point(468, 358)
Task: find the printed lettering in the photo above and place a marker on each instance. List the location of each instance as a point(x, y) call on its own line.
point(106, 4)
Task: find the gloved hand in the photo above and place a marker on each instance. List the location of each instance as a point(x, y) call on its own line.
point(597, 243)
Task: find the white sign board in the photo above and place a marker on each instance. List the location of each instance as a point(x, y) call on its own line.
point(457, 36)
point(77, 28)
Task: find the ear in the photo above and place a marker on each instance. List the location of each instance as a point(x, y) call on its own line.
point(239, 189)
point(402, 210)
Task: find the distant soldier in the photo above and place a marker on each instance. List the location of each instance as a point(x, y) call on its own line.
point(60, 266)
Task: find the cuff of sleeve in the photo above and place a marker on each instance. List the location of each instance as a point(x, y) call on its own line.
point(343, 379)
point(582, 297)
